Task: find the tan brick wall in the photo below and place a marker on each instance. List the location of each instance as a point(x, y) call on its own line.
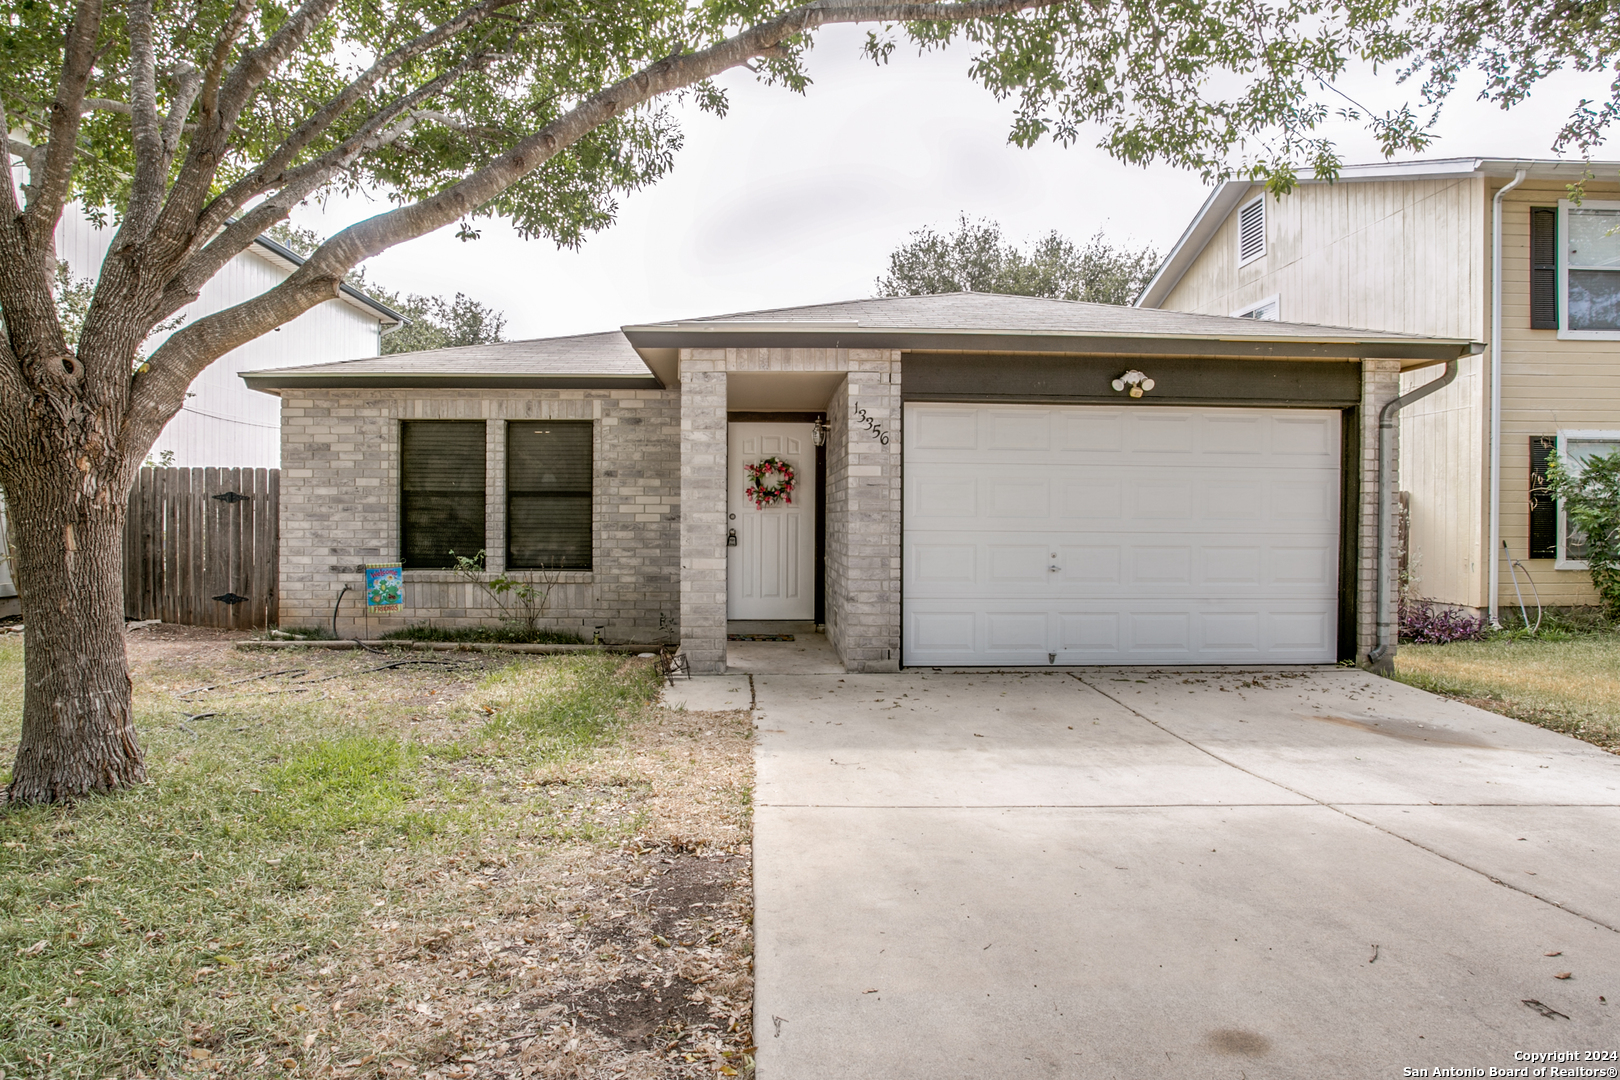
point(703, 526)
point(340, 508)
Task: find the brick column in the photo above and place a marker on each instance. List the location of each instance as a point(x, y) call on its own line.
point(863, 514)
point(1380, 384)
point(703, 509)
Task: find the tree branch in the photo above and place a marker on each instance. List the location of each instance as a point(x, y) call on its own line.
point(228, 34)
point(48, 187)
point(151, 169)
point(187, 84)
point(231, 200)
point(156, 392)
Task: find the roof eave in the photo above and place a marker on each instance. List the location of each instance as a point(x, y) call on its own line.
point(275, 380)
point(659, 344)
point(1217, 207)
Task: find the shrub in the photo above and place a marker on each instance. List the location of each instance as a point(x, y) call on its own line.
point(507, 633)
point(1426, 623)
point(1590, 493)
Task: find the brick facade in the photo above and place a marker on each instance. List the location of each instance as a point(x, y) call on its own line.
point(340, 509)
point(659, 556)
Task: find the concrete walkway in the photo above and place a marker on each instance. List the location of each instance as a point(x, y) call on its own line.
point(1111, 873)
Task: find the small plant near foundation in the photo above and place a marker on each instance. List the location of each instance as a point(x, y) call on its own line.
point(1423, 622)
point(521, 602)
point(509, 634)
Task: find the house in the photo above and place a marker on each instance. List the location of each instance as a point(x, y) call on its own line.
point(976, 480)
point(222, 423)
point(1408, 247)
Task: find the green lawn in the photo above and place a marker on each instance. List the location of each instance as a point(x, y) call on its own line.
point(177, 924)
point(1571, 685)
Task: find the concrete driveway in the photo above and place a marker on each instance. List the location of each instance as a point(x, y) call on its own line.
point(1111, 873)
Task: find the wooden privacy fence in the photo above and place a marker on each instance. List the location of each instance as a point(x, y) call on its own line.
point(201, 547)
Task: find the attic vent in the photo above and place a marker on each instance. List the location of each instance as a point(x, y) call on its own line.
point(1252, 231)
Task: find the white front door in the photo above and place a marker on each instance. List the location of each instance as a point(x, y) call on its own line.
point(771, 569)
point(1094, 534)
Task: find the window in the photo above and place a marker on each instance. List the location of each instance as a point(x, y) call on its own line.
point(441, 487)
point(1252, 231)
point(1589, 271)
point(548, 494)
point(1543, 268)
point(1575, 447)
point(1269, 309)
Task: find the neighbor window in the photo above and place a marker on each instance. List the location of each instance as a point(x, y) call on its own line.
point(548, 494)
point(1589, 269)
point(1252, 231)
point(1268, 310)
point(441, 491)
point(1574, 449)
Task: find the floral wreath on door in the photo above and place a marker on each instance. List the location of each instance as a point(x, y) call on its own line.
point(769, 482)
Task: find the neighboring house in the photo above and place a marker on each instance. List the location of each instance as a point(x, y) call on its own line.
point(975, 482)
point(1407, 248)
point(222, 423)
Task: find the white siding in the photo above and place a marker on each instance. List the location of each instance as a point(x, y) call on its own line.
point(1414, 257)
point(1407, 256)
point(224, 423)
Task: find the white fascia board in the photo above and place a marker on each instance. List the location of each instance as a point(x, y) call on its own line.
point(1210, 217)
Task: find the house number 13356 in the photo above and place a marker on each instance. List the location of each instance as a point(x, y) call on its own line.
point(864, 418)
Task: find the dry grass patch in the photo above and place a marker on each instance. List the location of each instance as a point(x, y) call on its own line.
point(487, 867)
point(1571, 686)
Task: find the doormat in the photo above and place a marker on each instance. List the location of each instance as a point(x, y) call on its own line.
point(759, 637)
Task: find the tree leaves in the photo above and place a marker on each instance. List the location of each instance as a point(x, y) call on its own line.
point(976, 258)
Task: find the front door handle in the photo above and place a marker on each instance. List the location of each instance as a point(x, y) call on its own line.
point(1054, 569)
point(731, 538)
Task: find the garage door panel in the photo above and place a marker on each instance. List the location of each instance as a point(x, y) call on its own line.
point(944, 429)
point(1179, 536)
point(1016, 429)
point(1091, 431)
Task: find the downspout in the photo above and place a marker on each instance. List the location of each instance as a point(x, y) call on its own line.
point(1382, 656)
point(1495, 546)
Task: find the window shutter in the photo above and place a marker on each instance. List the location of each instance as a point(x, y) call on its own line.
point(548, 494)
point(1252, 231)
point(1543, 268)
point(1543, 510)
point(441, 484)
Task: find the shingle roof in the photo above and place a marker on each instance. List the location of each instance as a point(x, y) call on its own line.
point(582, 358)
point(638, 356)
point(998, 312)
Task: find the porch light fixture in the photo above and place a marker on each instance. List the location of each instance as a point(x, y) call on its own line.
point(818, 433)
point(1138, 382)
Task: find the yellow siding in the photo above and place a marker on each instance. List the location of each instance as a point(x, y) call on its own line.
point(1408, 256)
point(1547, 384)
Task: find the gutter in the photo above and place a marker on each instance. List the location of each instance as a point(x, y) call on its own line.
point(1495, 576)
point(1382, 656)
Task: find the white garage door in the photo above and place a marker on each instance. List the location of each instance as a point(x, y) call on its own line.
point(1120, 535)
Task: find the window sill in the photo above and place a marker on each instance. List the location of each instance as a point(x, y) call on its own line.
point(1589, 335)
point(536, 577)
point(1571, 564)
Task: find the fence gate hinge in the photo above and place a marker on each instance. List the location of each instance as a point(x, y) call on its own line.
point(233, 497)
point(230, 598)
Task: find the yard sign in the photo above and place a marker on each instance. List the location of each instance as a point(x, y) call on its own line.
point(385, 587)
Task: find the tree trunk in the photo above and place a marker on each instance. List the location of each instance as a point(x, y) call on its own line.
point(78, 736)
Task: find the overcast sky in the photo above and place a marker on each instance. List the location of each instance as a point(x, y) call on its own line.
point(799, 200)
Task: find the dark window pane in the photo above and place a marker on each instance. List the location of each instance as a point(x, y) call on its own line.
point(548, 494)
point(1594, 299)
point(549, 531)
point(441, 491)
